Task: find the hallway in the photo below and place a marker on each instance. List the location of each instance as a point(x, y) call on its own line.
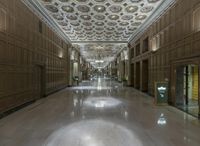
point(99, 113)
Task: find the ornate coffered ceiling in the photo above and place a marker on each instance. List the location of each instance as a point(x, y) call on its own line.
point(98, 21)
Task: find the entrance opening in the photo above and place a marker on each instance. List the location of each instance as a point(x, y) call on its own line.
point(187, 88)
point(132, 74)
point(39, 81)
point(137, 86)
point(145, 75)
point(122, 70)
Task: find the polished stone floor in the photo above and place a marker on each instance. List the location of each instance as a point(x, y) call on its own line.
point(99, 113)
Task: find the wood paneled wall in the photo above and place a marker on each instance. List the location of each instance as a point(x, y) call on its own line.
point(26, 46)
point(175, 35)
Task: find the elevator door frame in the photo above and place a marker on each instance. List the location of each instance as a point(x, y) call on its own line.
point(132, 76)
point(42, 81)
point(178, 63)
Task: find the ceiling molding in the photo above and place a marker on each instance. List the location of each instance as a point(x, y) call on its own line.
point(159, 11)
point(98, 20)
point(100, 29)
point(39, 11)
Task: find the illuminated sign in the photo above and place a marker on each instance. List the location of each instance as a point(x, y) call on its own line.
point(161, 92)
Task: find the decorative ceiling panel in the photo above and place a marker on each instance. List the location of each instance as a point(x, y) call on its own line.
point(96, 24)
point(93, 20)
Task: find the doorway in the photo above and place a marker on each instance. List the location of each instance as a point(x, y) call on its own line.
point(187, 88)
point(39, 81)
point(137, 85)
point(145, 75)
point(132, 74)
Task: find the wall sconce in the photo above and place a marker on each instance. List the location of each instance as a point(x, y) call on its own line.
point(153, 45)
point(60, 55)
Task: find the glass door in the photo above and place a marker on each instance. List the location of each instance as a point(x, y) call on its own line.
point(187, 88)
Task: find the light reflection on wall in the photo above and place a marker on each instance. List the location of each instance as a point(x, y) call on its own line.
point(2, 19)
point(60, 55)
point(94, 133)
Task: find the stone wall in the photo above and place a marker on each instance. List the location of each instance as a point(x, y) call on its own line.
point(34, 61)
point(173, 36)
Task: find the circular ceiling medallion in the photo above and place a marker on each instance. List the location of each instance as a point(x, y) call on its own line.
point(121, 29)
point(147, 9)
point(89, 32)
point(99, 28)
point(128, 33)
point(57, 17)
point(127, 17)
point(124, 23)
point(140, 17)
point(68, 9)
point(99, 8)
point(52, 8)
point(63, 23)
point(47, 1)
point(75, 23)
point(81, 36)
point(115, 9)
point(136, 23)
point(99, 17)
point(112, 23)
point(108, 36)
point(132, 29)
point(85, 17)
point(99, 33)
point(64, 0)
point(117, 1)
point(136, 1)
point(79, 33)
point(113, 17)
point(99, 23)
point(71, 17)
point(82, 0)
point(87, 23)
point(131, 9)
point(100, 0)
point(88, 28)
point(119, 33)
point(78, 29)
point(118, 36)
point(126, 36)
point(83, 8)
point(153, 1)
point(110, 29)
point(66, 29)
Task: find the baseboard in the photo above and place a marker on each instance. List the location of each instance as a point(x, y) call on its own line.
point(17, 108)
point(12, 110)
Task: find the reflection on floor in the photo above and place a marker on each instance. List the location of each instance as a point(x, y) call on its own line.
point(192, 108)
point(99, 113)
